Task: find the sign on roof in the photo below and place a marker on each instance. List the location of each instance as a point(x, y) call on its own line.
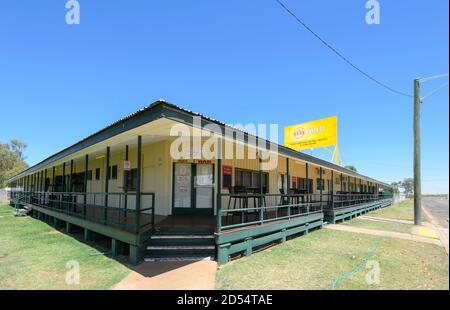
point(318, 133)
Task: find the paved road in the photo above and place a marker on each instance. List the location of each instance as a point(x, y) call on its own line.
point(438, 209)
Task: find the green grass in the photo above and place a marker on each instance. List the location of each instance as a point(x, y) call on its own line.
point(401, 211)
point(316, 260)
point(33, 256)
point(377, 225)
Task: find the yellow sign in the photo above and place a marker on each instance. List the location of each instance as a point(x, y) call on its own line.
point(318, 133)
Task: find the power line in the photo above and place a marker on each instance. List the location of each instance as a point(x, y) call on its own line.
point(340, 55)
point(431, 93)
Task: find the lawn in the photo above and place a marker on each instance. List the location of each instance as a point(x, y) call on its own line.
point(315, 261)
point(401, 211)
point(33, 255)
point(378, 225)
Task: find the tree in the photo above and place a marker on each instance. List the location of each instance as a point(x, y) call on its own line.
point(395, 187)
point(12, 159)
point(351, 167)
point(408, 186)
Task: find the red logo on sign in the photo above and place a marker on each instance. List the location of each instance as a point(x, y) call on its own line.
point(299, 133)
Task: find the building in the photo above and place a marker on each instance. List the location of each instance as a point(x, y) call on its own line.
point(153, 182)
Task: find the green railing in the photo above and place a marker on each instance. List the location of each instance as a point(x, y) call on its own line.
point(113, 208)
point(346, 200)
point(247, 209)
point(240, 210)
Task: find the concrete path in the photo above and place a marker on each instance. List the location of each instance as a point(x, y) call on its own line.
point(198, 275)
point(383, 233)
point(387, 220)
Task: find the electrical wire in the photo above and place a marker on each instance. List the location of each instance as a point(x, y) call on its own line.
point(434, 77)
point(431, 93)
point(340, 55)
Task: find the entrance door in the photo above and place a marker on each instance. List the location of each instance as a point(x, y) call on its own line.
point(193, 189)
point(204, 188)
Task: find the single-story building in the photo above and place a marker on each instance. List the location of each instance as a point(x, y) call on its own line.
point(168, 183)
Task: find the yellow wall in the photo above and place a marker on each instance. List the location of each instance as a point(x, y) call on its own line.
point(157, 166)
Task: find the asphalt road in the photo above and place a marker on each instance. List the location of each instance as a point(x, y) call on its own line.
point(438, 208)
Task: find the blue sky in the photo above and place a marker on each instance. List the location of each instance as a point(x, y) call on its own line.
point(237, 61)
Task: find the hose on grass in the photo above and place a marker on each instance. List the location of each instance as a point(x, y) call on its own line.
point(361, 263)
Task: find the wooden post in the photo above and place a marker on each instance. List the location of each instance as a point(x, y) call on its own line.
point(86, 171)
point(219, 187)
point(105, 205)
point(417, 172)
point(125, 188)
point(53, 179)
point(288, 177)
point(321, 187)
point(64, 177)
point(261, 192)
point(288, 186)
point(332, 189)
point(307, 182)
point(138, 185)
point(71, 206)
point(71, 176)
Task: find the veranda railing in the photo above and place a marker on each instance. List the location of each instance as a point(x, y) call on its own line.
point(112, 208)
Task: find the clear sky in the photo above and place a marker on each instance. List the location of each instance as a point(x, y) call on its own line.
point(237, 61)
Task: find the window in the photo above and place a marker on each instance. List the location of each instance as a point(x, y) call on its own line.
point(58, 184)
point(320, 184)
point(130, 180)
point(78, 182)
point(97, 173)
point(250, 178)
point(294, 182)
point(303, 185)
point(89, 176)
point(281, 183)
point(113, 172)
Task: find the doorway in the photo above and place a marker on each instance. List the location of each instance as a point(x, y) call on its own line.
point(193, 189)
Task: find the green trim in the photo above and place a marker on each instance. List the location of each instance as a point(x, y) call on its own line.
point(108, 231)
point(105, 212)
point(332, 216)
point(246, 240)
point(233, 236)
point(138, 185)
point(193, 210)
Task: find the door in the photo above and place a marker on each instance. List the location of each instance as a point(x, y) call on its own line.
point(193, 189)
point(204, 188)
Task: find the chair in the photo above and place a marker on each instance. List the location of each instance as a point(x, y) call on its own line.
point(236, 194)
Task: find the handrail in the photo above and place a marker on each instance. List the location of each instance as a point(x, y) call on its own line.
point(120, 211)
point(274, 207)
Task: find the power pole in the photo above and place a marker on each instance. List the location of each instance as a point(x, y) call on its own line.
point(417, 178)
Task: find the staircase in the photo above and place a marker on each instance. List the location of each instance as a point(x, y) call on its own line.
point(181, 244)
point(20, 209)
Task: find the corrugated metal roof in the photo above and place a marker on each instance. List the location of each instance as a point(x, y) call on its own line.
point(152, 106)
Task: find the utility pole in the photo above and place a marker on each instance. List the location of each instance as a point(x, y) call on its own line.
point(417, 179)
